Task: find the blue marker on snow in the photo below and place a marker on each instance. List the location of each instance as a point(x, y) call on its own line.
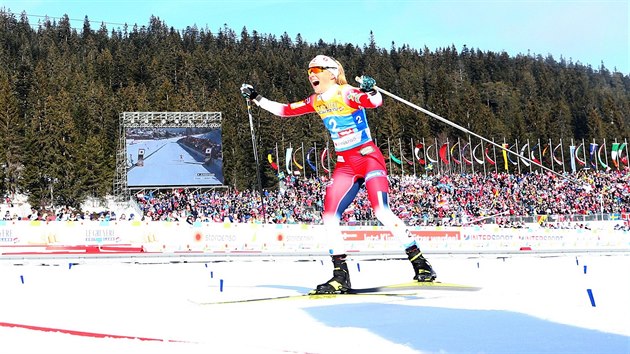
point(590, 296)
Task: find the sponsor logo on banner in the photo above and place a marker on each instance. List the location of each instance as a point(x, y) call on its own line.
point(99, 236)
point(487, 237)
point(299, 238)
point(367, 235)
point(437, 234)
point(541, 237)
point(219, 238)
point(6, 237)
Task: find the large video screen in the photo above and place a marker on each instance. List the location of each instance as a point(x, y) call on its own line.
point(161, 157)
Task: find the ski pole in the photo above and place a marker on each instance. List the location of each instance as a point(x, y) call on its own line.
point(251, 127)
point(444, 120)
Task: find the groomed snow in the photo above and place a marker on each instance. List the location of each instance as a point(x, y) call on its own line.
point(530, 303)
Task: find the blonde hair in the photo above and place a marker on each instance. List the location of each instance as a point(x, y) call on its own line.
point(341, 75)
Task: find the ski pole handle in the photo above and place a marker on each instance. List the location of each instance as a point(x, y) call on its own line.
point(359, 79)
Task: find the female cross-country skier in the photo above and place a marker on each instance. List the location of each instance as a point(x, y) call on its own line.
point(359, 161)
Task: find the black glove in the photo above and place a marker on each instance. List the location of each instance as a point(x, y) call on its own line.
point(249, 92)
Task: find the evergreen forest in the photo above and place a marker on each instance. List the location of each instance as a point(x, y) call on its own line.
point(63, 88)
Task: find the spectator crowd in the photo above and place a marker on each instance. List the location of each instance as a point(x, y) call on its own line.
point(438, 199)
point(452, 199)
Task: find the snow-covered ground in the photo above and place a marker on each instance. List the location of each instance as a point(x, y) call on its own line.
point(529, 303)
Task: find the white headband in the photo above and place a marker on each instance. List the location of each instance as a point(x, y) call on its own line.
point(325, 62)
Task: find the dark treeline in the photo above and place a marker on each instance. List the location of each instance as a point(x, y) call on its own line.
point(62, 89)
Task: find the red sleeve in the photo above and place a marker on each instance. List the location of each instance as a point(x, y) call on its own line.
point(356, 98)
point(289, 109)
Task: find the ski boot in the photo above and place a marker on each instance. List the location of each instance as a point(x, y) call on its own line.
point(421, 267)
point(340, 282)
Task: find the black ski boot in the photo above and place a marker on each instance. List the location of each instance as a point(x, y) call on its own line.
point(421, 267)
point(340, 282)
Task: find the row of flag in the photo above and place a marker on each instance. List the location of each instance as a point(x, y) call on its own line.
point(464, 156)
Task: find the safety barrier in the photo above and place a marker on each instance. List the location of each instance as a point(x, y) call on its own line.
point(17, 237)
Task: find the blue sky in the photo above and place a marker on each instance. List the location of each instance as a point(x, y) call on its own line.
point(585, 31)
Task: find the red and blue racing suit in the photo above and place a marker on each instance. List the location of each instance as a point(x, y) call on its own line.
point(359, 161)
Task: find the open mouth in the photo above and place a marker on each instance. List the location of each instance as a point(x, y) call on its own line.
point(315, 83)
